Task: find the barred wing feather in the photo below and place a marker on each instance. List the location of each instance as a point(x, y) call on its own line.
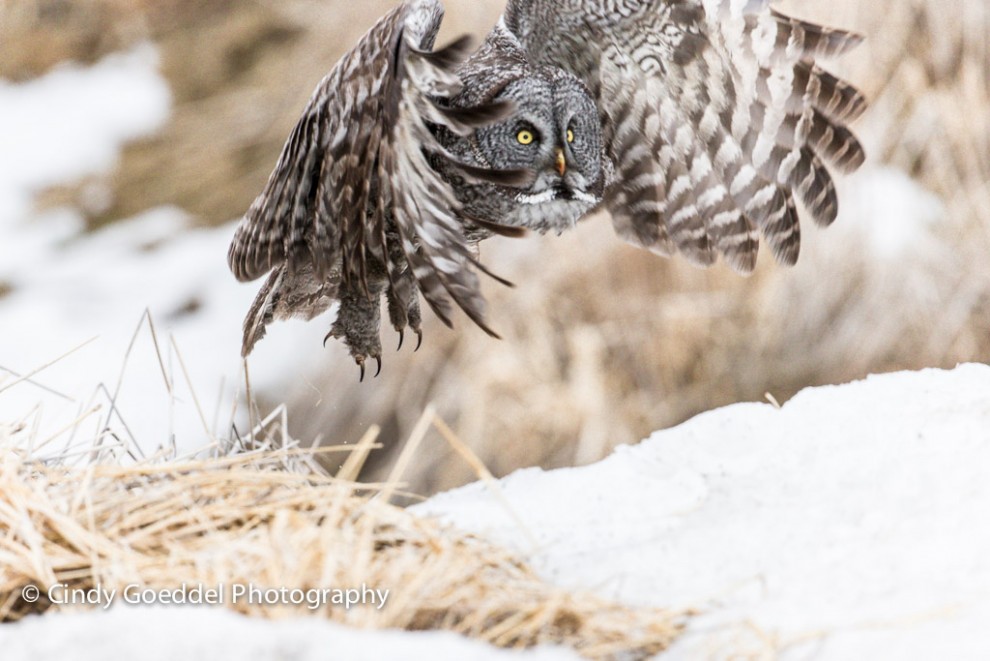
point(716, 113)
point(357, 159)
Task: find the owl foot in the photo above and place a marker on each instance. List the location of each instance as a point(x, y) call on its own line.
point(402, 337)
point(360, 360)
point(358, 323)
point(403, 311)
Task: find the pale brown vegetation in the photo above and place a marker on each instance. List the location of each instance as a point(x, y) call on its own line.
point(273, 518)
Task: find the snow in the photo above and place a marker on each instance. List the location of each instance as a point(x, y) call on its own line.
point(72, 122)
point(157, 633)
point(69, 286)
point(894, 215)
point(851, 523)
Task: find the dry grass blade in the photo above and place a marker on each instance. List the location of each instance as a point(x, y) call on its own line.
point(484, 475)
point(189, 383)
point(355, 460)
point(408, 452)
point(27, 377)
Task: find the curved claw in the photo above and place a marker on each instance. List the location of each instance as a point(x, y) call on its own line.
point(360, 361)
point(402, 336)
point(379, 370)
point(419, 339)
point(325, 339)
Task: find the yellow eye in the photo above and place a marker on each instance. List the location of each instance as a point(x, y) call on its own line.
point(525, 137)
point(570, 135)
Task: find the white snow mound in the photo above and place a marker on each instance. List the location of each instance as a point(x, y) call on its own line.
point(194, 634)
point(850, 524)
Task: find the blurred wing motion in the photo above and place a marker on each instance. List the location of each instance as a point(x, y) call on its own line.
point(715, 115)
point(356, 167)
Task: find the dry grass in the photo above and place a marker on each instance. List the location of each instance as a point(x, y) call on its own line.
point(272, 518)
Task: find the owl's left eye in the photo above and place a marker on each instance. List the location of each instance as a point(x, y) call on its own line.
point(570, 136)
point(525, 137)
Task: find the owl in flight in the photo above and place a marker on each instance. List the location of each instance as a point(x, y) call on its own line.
point(694, 123)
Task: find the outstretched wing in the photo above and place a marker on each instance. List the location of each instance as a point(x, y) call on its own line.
point(716, 114)
point(358, 158)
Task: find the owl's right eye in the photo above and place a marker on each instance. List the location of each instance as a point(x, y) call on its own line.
point(525, 137)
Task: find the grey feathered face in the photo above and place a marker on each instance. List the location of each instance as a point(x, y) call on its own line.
point(555, 133)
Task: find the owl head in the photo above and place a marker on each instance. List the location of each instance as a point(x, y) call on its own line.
point(554, 133)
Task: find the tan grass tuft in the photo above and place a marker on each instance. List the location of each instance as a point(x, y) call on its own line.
point(270, 519)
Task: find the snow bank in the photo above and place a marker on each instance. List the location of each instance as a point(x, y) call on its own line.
point(194, 634)
point(850, 524)
point(68, 286)
point(72, 122)
point(98, 286)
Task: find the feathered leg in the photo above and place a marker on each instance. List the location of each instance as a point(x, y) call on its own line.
point(358, 322)
point(288, 293)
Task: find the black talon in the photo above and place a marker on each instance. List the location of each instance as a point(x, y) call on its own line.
point(379, 370)
point(329, 335)
point(402, 336)
point(419, 339)
point(360, 362)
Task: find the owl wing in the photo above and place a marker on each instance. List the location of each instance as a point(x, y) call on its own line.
point(361, 153)
point(715, 114)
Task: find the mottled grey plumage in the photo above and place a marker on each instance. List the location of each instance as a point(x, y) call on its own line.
point(695, 123)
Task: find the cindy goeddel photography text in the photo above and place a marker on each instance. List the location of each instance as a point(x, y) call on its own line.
point(220, 594)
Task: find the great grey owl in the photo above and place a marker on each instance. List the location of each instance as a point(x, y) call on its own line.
point(694, 123)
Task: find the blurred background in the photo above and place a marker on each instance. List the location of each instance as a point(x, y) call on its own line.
point(603, 343)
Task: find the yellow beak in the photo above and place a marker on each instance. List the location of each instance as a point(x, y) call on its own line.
point(561, 162)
